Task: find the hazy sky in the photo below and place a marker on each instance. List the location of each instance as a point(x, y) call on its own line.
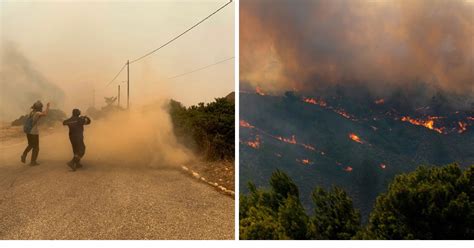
point(80, 46)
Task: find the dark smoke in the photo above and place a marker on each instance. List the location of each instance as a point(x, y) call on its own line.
point(21, 84)
point(303, 45)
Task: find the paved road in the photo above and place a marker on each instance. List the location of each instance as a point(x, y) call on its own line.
point(105, 200)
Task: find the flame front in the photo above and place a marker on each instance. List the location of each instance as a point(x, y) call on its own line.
point(314, 101)
point(355, 138)
point(245, 124)
point(462, 127)
point(254, 144)
point(304, 161)
point(348, 169)
point(430, 123)
point(379, 101)
point(289, 141)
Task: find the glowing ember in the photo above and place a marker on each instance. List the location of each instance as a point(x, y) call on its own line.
point(462, 127)
point(355, 138)
point(304, 161)
point(424, 123)
point(348, 169)
point(470, 118)
point(289, 141)
point(259, 91)
point(254, 144)
point(343, 113)
point(380, 101)
point(383, 166)
point(245, 124)
point(309, 147)
point(314, 101)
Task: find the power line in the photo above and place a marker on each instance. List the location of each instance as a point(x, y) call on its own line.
point(187, 30)
point(202, 68)
point(121, 69)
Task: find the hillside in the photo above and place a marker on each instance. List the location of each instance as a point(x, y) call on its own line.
point(356, 141)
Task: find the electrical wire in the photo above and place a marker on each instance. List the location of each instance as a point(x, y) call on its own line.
point(201, 68)
point(121, 69)
point(176, 37)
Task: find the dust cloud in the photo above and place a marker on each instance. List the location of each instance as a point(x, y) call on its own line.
point(141, 136)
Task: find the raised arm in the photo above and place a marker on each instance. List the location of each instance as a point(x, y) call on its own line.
point(87, 120)
point(45, 112)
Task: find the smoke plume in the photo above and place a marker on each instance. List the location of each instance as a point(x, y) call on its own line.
point(21, 84)
point(303, 45)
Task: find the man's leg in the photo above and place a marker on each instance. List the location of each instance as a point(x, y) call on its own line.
point(34, 155)
point(73, 163)
point(81, 150)
point(27, 149)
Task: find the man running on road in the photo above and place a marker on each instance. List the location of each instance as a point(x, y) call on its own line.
point(76, 136)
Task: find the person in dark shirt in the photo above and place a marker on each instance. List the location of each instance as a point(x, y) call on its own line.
point(76, 136)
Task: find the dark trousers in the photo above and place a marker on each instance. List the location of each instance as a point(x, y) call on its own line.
point(33, 143)
point(78, 147)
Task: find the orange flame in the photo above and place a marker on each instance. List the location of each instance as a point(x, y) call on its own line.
point(259, 91)
point(355, 138)
point(304, 161)
point(314, 101)
point(428, 123)
point(462, 127)
point(343, 113)
point(245, 124)
point(254, 144)
point(380, 101)
point(348, 169)
point(289, 141)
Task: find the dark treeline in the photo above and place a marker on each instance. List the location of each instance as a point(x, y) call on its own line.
point(208, 129)
point(428, 203)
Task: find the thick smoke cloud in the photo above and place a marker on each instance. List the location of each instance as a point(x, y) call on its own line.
point(304, 45)
point(21, 84)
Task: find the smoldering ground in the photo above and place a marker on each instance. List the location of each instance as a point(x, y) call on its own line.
point(384, 45)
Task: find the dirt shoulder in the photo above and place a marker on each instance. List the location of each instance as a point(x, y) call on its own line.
point(221, 173)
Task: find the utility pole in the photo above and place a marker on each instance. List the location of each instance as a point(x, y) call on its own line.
point(128, 84)
point(118, 95)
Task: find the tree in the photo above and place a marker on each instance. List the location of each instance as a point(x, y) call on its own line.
point(206, 128)
point(429, 203)
point(276, 213)
point(293, 219)
point(334, 215)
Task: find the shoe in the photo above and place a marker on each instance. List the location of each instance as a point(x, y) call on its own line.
point(23, 158)
point(34, 163)
point(72, 165)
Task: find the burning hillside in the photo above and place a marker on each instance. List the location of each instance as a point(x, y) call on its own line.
point(343, 141)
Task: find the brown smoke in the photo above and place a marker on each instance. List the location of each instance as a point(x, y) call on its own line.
point(305, 44)
point(21, 84)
